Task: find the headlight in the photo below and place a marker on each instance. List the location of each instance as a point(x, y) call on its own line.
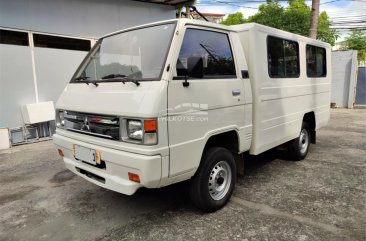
point(140, 131)
point(134, 129)
point(60, 118)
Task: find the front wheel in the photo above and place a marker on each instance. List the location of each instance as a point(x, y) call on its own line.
point(212, 185)
point(299, 147)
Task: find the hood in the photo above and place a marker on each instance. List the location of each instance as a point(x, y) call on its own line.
point(115, 98)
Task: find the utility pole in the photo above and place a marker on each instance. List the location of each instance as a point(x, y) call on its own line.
point(314, 19)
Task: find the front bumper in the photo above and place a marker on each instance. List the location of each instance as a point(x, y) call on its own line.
point(118, 164)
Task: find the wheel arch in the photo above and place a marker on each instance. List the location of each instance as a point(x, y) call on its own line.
point(229, 140)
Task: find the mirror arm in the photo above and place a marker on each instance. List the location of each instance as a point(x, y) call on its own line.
point(185, 83)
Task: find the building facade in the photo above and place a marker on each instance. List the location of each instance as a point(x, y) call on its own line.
point(42, 43)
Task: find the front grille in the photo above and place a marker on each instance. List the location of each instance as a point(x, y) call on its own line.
point(93, 124)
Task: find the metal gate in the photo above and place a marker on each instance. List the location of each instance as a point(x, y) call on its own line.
point(361, 87)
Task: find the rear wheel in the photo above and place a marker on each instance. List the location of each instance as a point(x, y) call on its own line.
point(299, 147)
point(212, 185)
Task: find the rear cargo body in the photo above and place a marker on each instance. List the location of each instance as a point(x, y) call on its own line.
point(279, 104)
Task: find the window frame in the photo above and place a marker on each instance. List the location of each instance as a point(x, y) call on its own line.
point(306, 61)
point(298, 59)
point(220, 31)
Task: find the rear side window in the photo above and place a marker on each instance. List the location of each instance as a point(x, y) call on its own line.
point(207, 48)
point(283, 58)
point(316, 61)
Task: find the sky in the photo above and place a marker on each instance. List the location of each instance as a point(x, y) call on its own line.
point(341, 11)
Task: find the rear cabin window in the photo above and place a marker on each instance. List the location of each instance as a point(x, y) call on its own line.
point(283, 58)
point(207, 48)
point(316, 62)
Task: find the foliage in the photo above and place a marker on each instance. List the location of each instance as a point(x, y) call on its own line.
point(269, 15)
point(233, 19)
point(295, 18)
point(357, 41)
point(325, 33)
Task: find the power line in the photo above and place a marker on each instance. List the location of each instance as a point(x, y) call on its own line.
point(263, 1)
point(355, 16)
point(347, 22)
point(348, 28)
point(242, 3)
point(338, 17)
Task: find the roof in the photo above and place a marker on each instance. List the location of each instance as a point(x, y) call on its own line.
point(233, 28)
point(167, 2)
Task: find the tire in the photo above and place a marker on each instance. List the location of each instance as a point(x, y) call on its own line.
point(212, 185)
point(299, 147)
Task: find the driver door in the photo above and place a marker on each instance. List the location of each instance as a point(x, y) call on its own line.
point(212, 100)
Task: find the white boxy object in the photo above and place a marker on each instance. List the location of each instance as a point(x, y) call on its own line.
point(201, 95)
point(4, 138)
point(38, 112)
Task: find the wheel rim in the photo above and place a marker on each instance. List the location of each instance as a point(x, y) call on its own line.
point(304, 141)
point(220, 180)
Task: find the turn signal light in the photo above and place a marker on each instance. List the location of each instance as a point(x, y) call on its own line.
point(133, 177)
point(150, 125)
point(61, 152)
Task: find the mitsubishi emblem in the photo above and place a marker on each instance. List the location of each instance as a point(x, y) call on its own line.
point(85, 126)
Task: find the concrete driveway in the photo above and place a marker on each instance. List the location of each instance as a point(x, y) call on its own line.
point(320, 198)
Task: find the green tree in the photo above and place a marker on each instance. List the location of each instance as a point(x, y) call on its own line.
point(295, 18)
point(269, 14)
point(233, 19)
point(325, 33)
point(357, 41)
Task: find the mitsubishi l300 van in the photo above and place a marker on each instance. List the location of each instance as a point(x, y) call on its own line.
point(183, 99)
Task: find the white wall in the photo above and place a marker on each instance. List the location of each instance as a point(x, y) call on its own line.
point(87, 18)
point(344, 69)
point(16, 83)
point(51, 75)
point(54, 67)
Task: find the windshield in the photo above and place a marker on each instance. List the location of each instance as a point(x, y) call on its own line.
point(137, 55)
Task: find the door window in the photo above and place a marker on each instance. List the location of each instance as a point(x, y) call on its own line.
point(205, 54)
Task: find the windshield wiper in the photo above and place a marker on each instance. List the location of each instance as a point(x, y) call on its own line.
point(113, 76)
point(93, 82)
point(83, 78)
point(123, 78)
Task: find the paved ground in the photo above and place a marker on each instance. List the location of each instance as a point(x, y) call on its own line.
point(320, 198)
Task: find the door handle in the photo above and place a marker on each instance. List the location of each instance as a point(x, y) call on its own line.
point(236, 92)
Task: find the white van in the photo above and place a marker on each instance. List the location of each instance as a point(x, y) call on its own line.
point(183, 99)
